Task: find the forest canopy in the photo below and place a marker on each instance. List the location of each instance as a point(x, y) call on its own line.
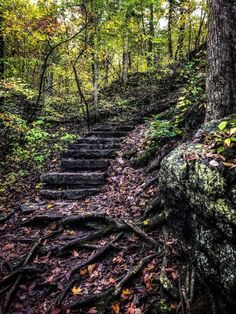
point(66, 52)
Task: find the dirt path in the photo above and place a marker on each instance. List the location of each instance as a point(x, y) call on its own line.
point(98, 255)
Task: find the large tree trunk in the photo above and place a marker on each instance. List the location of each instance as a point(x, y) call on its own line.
point(221, 80)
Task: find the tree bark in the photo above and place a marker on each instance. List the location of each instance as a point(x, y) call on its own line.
point(1, 49)
point(199, 34)
point(1, 57)
point(170, 18)
point(221, 55)
point(179, 50)
point(150, 59)
point(95, 82)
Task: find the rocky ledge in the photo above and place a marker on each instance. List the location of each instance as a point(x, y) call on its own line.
point(201, 192)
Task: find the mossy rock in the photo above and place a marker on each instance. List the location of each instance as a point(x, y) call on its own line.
point(202, 194)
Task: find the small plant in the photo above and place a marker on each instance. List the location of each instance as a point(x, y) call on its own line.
point(161, 130)
point(223, 139)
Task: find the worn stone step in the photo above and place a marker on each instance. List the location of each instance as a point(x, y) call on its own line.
point(89, 154)
point(84, 164)
point(97, 140)
point(104, 134)
point(117, 128)
point(93, 146)
point(70, 194)
point(73, 179)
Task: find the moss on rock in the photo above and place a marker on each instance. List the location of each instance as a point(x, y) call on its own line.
point(202, 194)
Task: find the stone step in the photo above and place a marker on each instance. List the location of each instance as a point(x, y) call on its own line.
point(84, 164)
point(77, 179)
point(93, 146)
point(108, 134)
point(117, 128)
point(97, 140)
point(89, 154)
point(70, 194)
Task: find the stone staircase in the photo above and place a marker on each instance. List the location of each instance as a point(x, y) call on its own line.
point(84, 164)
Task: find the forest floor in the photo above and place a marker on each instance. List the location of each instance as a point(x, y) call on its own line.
point(100, 255)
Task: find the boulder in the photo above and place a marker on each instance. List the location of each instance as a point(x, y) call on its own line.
point(202, 194)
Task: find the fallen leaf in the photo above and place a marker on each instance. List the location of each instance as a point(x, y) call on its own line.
point(131, 309)
point(56, 311)
point(91, 268)
point(8, 246)
point(92, 310)
point(117, 259)
point(76, 290)
point(174, 306)
point(116, 308)
point(83, 271)
point(75, 253)
point(127, 292)
point(147, 280)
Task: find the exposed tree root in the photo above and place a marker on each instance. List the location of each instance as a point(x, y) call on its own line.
point(5, 218)
point(77, 242)
point(142, 234)
point(90, 217)
point(90, 260)
point(158, 220)
point(105, 225)
point(151, 182)
point(19, 277)
point(21, 270)
point(106, 248)
point(106, 297)
point(44, 220)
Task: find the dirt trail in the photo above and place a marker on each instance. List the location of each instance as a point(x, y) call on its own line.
point(97, 255)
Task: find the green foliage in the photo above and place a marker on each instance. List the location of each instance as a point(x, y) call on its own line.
point(193, 92)
point(26, 148)
point(223, 139)
point(68, 138)
point(161, 130)
point(17, 95)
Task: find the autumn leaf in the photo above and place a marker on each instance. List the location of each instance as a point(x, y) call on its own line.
point(127, 292)
point(111, 281)
point(92, 310)
point(131, 309)
point(117, 259)
point(147, 280)
point(116, 308)
point(91, 269)
point(146, 222)
point(76, 290)
point(56, 311)
point(83, 271)
point(174, 306)
point(8, 246)
point(75, 253)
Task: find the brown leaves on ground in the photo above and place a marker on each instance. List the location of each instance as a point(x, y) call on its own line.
point(122, 197)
